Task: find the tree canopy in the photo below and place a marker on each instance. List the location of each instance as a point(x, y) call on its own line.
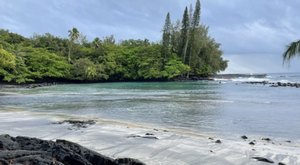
point(185, 49)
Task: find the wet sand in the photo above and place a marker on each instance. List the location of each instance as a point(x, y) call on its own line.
point(151, 144)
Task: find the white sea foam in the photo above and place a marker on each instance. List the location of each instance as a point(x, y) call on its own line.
point(243, 79)
point(250, 79)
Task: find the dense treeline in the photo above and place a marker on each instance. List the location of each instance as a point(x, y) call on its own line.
point(186, 49)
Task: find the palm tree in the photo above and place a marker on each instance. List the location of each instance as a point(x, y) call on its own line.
point(97, 43)
point(292, 50)
point(73, 36)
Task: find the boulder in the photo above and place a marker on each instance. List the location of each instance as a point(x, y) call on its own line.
point(25, 150)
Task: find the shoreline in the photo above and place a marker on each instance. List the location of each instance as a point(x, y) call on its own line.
point(216, 78)
point(150, 144)
point(51, 83)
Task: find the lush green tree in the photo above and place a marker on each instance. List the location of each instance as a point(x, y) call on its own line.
point(195, 22)
point(7, 65)
point(196, 16)
point(174, 67)
point(135, 43)
point(43, 64)
point(21, 74)
point(149, 62)
point(85, 70)
point(292, 50)
point(207, 58)
point(11, 38)
point(166, 38)
point(51, 43)
point(195, 47)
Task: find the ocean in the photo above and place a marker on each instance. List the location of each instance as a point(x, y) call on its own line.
point(224, 107)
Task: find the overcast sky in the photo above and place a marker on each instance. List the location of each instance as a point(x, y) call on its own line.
point(253, 33)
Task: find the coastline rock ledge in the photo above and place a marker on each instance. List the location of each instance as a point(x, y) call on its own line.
point(33, 151)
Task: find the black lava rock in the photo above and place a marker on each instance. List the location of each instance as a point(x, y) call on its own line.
point(25, 150)
point(244, 137)
point(77, 123)
point(261, 159)
point(266, 139)
point(218, 141)
point(252, 143)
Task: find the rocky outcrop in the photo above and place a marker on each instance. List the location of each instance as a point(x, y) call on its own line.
point(261, 159)
point(25, 150)
point(77, 124)
point(274, 84)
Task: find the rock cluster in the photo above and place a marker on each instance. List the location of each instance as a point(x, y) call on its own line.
point(25, 150)
point(274, 84)
point(77, 124)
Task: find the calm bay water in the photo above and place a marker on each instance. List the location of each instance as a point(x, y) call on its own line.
point(222, 107)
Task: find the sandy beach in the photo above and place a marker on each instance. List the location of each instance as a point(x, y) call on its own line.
point(151, 144)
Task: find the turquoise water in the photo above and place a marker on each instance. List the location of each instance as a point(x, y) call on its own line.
point(219, 107)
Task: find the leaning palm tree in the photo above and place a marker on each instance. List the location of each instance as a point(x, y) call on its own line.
point(73, 36)
point(292, 50)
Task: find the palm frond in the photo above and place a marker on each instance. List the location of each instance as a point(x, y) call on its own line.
point(292, 50)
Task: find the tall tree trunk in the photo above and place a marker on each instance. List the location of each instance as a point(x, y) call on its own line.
point(185, 50)
point(69, 54)
point(190, 59)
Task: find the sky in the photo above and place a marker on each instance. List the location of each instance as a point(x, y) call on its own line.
point(253, 34)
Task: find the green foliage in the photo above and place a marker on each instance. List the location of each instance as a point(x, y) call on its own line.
point(185, 49)
point(11, 38)
point(174, 67)
point(43, 64)
point(109, 40)
point(85, 70)
point(196, 16)
point(166, 39)
point(292, 50)
point(7, 64)
point(149, 62)
point(184, 31)
point(194, 46)
point(51, 43)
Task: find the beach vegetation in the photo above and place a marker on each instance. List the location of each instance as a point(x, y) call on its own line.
point(185, 50)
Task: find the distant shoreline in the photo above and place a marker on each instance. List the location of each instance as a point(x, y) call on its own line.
point(217, 77)
point(50, 82)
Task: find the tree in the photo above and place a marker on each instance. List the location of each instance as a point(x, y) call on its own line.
point(196, 16)
point(174, 67)
point(51, 43)
point(109, 40)
point(292, 50)
point(166, 38)
point(175, 37)
point(7, 64)
point(85, 70)
point(195, 22)
point(43, 64)
point(73, 37)
point(97, 43)
point(185, 24)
